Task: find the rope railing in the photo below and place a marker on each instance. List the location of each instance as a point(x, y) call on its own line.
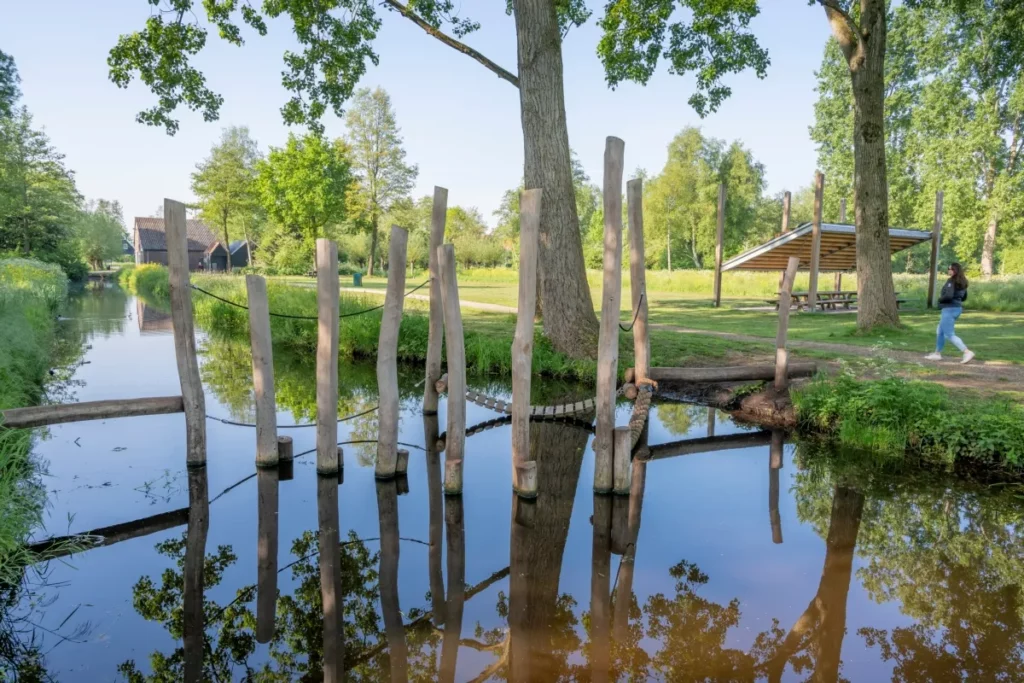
point(501, 421)
point(636, 313)
point(502, 406)
point(302, 425)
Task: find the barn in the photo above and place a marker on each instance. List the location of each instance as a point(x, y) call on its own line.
point(204, 251)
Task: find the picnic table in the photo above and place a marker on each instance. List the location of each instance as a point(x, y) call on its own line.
point(828, 300)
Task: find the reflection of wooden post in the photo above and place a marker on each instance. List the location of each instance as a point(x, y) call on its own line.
point(327, 357)
point(387, 357)
point(387, 511)
point(330, 578)
point(266, 553)
point(624, 580)
point(774, 465)
point(452, 476)
point(812, 288)
point(611, 297)
point(600, 597)
point(455, 344)
point(436, 506)
point(285, 448)
point(719, 244)
point(522, 344)
point(711, 421)
point(785, 301)
point(456, 586)
point(262, 372)
point(623, 466)
point(519, 632)
point(194, 637)
point(933, 264)
point(526, 473)
point(435, 334)
point(184, 333)
point(638, 278)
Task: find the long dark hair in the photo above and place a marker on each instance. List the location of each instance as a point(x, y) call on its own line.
point(959, 279)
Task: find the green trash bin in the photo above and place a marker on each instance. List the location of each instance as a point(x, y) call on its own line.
point(357, 279)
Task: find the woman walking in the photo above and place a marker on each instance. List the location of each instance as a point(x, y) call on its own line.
point(951, 303)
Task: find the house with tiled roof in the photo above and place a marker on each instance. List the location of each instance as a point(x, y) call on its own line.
point(204, 251)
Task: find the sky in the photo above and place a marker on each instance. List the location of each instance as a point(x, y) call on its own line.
point(460, 122)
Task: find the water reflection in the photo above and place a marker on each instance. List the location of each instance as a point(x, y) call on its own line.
point(152, 320)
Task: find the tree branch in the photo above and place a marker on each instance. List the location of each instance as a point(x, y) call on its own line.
point(1015, 146)
point(451, 42)
point(844, 28)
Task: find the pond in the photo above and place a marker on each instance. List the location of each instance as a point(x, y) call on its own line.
point(721, 568)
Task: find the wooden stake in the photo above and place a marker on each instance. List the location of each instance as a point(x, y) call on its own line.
point(435, 333)
point(719, 244)
point(436, 508)
point(330, 579)
point(933, 264)
point(194, 636)
point(527, 478)
point(184, 333)
point(452, 477)
point(623, 460)
point(327, 357)
point(285, 448)
point(774, 464)
point(785, 302)
point(611, 299)
point(387, 357)
point(787, 199)
point(638, 278)
point(455, 344)
point(262, 372)
point(266, 553)
point(522, 344)
point(391, 611)
point(812, 289)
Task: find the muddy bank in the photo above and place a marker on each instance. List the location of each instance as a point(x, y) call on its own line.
point(756, 403)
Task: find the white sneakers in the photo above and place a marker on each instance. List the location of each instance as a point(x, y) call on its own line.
point(934, 355)
point(968, 357)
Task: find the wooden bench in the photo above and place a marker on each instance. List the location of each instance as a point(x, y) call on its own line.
point(829, 300)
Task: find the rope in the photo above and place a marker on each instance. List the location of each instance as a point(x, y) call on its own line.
point(305, 317)
point(635, 314)
point(295, 426)
point(500, 421)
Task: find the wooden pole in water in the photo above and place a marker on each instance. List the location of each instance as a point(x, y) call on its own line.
point(262, 372)
point(453, 514)
point(787, 199)
point(436, 507)
point(387, 357)
point(812, 289)
point(785, 302)
point(327, 357)
point(527, 475)
point(330, 578)
point(933, 263)
point(774, 465)
point(192, 395)
point(285, 458)
point(600, 595)
point(522, 344)
point(623, 450)
point(435, 333)
point(266, 553)
point(638, 278)
point(611, 299)
point(391, 611)
point(194, 636)
point(719, 244)
point(455, 343)
point(711, 421)
point(624, 578)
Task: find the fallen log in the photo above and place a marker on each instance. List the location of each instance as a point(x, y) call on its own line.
point(741, 373)
point(38, 416)
point(708, 444)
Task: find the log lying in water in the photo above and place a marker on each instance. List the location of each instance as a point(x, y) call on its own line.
point(709, 444)
point(38, 416)
point(59, 546)
point(741, 373)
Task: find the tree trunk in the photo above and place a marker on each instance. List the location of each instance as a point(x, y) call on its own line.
point(374, 220)
point(568, 310)
point(988, 251)
point(668, 249)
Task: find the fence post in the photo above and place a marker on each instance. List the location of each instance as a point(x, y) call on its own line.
point(184, 333)
point(435, 333)
point(455, 443)
point(719, 244)
point(330, 579)
point(638, 279)
point(266, 552)
point(387, 357)
point(327, 461)
point(785, 302)
point(812, 289)
point(936, 244)
point(611, 300)
point(262, 371)
point(522, 345)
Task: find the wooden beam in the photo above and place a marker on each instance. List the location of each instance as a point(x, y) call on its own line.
point(709, 445)
point(933, 263)
point(741, 373)
point(327, 295)
point(819, 193)
point(61, 546)
point(39, 416)
point(387, 357)
point(638, 277)
point(522, 343)
point(719, 244)
point(435, 331)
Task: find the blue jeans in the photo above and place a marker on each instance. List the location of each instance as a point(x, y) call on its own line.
point(946, 330)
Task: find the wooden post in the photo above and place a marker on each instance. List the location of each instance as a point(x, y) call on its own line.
point(285, 448)
point(527, 477)
point(711, 421)
point(620, 524)
point(402, 462)
point(600, 595)
point(391, 611)
point(838, 283)
point(387, 357)
point(327, 357)
point(330, 579)
point(624, 578)
point(522, 344)
point(611, 298)
point(719, 244)
point(194, 636)
point(812, 289)
point(262, 372)
point(266, 552)
point(774, 465)
point(787, 200)
point(842, 210)
point(453, 517)
point(638, 278)
point(436, 514)
point(184, 333)
point(435, 333)
point(936, 244)
point(785, 302)
point(455, 344)
point(623, 450)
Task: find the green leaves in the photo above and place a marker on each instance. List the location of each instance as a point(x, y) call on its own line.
point(9, 79)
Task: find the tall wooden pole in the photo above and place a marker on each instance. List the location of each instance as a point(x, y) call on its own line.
point(184, 334)
point(787, 200)
point(387, 357)
point(812, 289)
point(330, 579)
point(638, 279)
point(719, 244)
point(327, 357)
point(785, 302)
point(266, 552)
point(522, 344)
point(262, 371)
point(842, 210)
point(611, 301)
point(435, 333)
point(455, 445)
point(933, 264)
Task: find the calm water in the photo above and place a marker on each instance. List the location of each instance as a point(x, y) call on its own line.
point(849, 577)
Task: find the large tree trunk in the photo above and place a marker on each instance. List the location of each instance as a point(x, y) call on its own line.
point(374, 219)
point(568, 310)
point(988, 251)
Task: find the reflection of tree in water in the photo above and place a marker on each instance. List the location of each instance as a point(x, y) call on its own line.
point(297, 646)
point(679, 418)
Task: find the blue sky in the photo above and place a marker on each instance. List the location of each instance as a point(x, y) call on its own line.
point(461, 123)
